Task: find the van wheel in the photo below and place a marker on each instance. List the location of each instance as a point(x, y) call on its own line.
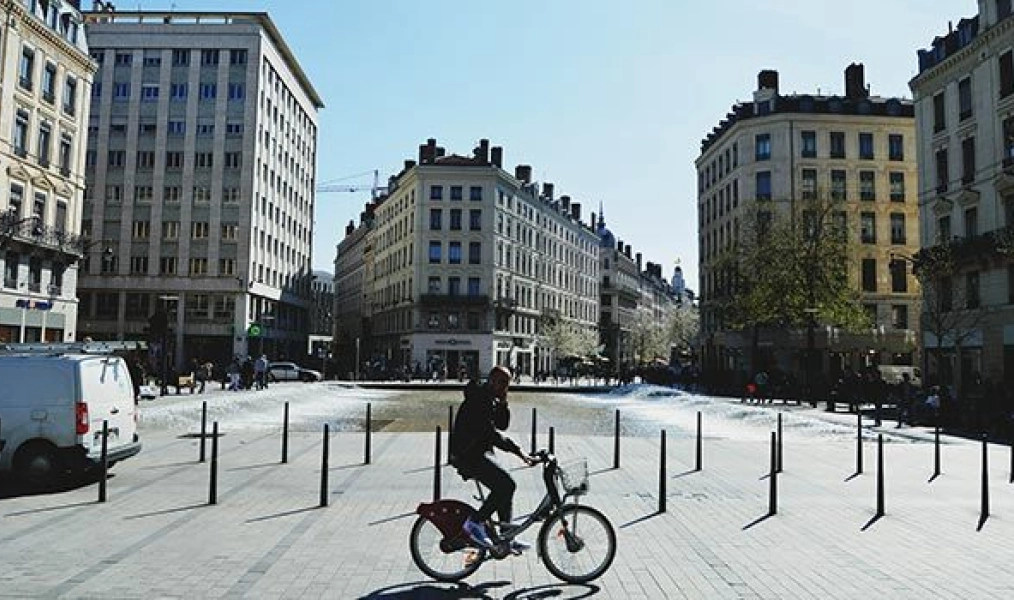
point(38, 463)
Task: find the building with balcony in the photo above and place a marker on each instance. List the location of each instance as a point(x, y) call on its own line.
point(201, 163)
point(45, 80)
point(768, 158)
point(964, 111)
point(461, 262)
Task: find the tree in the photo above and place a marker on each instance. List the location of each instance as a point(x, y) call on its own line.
point(566, 338)
point(683, 327)
point(648, 336)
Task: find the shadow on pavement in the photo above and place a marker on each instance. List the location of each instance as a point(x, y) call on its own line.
point(167, 511)
point(641, 520)
point(12, 487)
point(570, 592)
point(425, 591)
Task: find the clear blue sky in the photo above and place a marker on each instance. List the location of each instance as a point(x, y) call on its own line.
point(607, 100)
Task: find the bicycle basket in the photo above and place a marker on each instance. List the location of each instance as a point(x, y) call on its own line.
point(574, 477)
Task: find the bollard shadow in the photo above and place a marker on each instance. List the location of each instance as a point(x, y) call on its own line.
point(181, 463)
point(287, 513)
point(982, 521)
point(934, 476)
point(251, 467)
point(167, 511)
point(392, 519)
point(685, 473)
point(415, 591)
point(871, 522)
point(601, 471)
point(641, 519)
point(853, 476)
point(48, 509)
point(420, 470)
point(757, 521)
point(344, 467)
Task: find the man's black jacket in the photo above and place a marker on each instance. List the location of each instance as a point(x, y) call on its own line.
point(477, 427)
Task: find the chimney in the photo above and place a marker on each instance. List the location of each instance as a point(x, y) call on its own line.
point(565, 202)
point(482, 152)
point(592, 224)
point(547, 190)
point(575, 211)
point(409, 164)
point(428, 151)
point(626, 250)
point(350, 228)
point(855, 82)
point(638, 262)
point(768, 80)
point(496, 156)
point(439, 152)
point(619, 246)
point(523, 173)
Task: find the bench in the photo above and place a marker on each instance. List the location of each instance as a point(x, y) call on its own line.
point(185, 381)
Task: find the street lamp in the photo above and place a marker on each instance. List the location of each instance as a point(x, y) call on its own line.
point(164, 321)
point(357, 359)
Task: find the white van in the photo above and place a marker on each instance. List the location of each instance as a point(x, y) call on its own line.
point(893, 374)
point(52, 407)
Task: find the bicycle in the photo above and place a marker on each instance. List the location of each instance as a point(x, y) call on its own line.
point(577, 543)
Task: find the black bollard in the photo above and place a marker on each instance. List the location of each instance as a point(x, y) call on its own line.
point(450, 429)
point(323, 467)
point(204, 428)
point(552, 440)
point(700, 445)
point(661, 476)
point(880, 474)
point(779, 442)
point(533, 430)
point(936, 452)
point(104, 462)
point(616, 442)
point(366, 454)
point(984, 512)
point(1011, 462)
point(436, 468)
point(285, 434)
point(859, 443)
point(773, 477)
point(213, 483)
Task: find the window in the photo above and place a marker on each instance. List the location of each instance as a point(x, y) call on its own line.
point(939, 113)
point(897, 180)
point(230, 231)
point(199, 230)
point(1003, 9)
point(436, 219)
point(205, 129)
point(762, 146)
point(433, 285)
point(474, 253)
point(199, 266)
point(1006, 73)
point(177, 127)
point(809, 146)
point(971, 222)
point(167, 265)
point(202, 194)
point(896, 146)
point(204, 160)
point(233, 129)
point(233, 160)
point(145, 128)
point(941, 163)
point(138, 266)
point(435, 252)
point(866, 146)
point(237, 57)
point(454, 253)
point(456, 192)
point(230, 195)
point(178, 92)
point(455, 224)
point(837, 139)
point(475, 193)
point(170, 230)
point(123, 59)
point(899, 316)
point(899, 276)
point(141, 230)
point(839, 185)
point(45, 142)
point(237, 91)
point(475, 219)
point(209, 57)
point(972, 290)
point(181, 57)
point(171, 194)
point(227, 266)
point(145, 159)
point(116, 158)
point(149, 92)
point(454, 286)
point(869, 276)
point(143, 193)
point(436, 192)
point(26, 67)
point(66, 143)
point(474, 286)
point(70, 96)
point(968, 160)
point(49, 82)
point(20, 140)
point(965, 98)
point(867, 185)
point(809, 184)
point(209, 91)
point(898, 228)
point(763, 182)
point(868, 227)
point(943, 229)
point(121, 91)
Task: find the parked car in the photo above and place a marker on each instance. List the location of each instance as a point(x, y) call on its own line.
point(53, 407)
point(289, 371)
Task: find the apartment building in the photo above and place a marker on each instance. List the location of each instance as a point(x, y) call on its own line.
point(45, 79)
point(461, 262)
point(769, 157)
point(201, 164)
point(964, 112)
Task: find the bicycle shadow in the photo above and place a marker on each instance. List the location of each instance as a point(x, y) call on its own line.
point(448, 591)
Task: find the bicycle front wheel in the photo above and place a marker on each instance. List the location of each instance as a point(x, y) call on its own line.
point(577, 543)
point(443, 560)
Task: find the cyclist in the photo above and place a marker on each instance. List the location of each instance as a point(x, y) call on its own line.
point(477, 426)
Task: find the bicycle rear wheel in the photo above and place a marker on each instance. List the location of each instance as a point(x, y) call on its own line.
point(577, 544)
point(424, 542)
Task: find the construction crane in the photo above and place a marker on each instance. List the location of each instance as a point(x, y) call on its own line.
point(334, 186)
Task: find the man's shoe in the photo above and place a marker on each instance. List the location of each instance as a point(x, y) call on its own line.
point(477, 533)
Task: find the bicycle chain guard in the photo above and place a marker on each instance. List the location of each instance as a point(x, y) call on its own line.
point(449, 517)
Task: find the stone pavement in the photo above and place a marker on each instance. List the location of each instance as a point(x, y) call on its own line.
point(157, 536)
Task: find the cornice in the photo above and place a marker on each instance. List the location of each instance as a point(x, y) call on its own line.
point(39, 28)
point(943, 68)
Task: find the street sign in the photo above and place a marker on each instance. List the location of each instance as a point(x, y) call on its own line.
point(254, 330)
point(34, 304)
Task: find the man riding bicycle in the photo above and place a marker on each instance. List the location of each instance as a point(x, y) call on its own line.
point(483, 414)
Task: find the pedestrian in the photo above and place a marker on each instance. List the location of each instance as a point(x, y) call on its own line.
point(477, 426)
point(246, 371)
point(261, 372)
point(235, 371)
point(905, 397)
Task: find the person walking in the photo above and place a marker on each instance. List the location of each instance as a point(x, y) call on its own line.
point(261, 372)
point(906, 394)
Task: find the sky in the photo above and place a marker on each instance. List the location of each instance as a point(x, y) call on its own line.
point(609, 101)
